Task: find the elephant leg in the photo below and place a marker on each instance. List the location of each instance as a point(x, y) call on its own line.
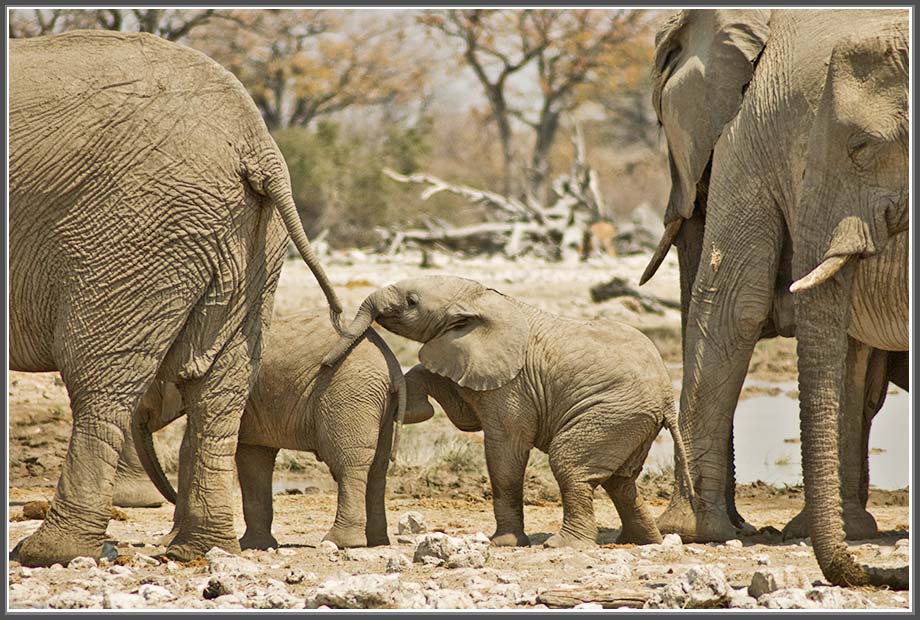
point(350, 525)
point(731, 300)
point(214, 406)
point(133, 488)
point(79, 516)
point(638, 523)
point(862, 368)
point(579, 528)
point(506, 463)
point(375, 502)
point(255, 466)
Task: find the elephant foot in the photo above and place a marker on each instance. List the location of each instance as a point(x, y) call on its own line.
point(696, 526)
point(858, 524)
point(639, 535)
point(510, 539)
point(51, 545)
point(187, 548)
point(565, 539)
point(258, 540)
point(378, 540)
point(136, 493)
point(347, 537)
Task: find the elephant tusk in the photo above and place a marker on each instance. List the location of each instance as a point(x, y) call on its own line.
point(822, 273)
point(667, 238)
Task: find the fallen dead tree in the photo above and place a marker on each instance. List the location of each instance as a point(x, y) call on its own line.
point(514, 227)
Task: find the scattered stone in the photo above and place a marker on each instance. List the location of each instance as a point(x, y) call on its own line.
point(141, 560)
point(122, 600)
point(694, 550)
point(700, 587)
point(77, 598)
point(766, 580)
point(793, 598)
point(82, 563)
point(412, 523)
point(588, 606)
point(25, 572)
point(902, 542)
point(366, 592)
point(734, 543)
point(453, 552)
point(740, 599)
point(762, 559)
point(120, 571)
point(154, 594)
point(449, 599)
point(398, 563)
point(671, 540)
point(36, 510)
point(285, 552)
point(219, 561)
point(295, 575)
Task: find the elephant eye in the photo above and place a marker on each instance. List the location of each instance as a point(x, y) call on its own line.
point(412, 301)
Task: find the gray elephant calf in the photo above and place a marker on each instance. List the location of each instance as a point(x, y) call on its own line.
point(344, 415)
point(591, 394)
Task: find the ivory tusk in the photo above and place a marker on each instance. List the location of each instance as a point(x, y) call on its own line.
point(667, 238)
point(820, 274)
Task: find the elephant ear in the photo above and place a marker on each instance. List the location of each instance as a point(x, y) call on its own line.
point(483, 346)
point(703, 60)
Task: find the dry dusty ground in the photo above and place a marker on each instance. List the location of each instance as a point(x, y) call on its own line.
point(440, 474)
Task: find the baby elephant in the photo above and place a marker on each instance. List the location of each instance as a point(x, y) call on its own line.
point(591, 394)
point(343, 414)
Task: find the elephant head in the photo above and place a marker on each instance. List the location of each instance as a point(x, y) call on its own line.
point(704, 59)
point(473, 335)
point(854, 199)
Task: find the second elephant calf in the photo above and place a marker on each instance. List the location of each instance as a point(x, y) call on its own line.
point(344, 415)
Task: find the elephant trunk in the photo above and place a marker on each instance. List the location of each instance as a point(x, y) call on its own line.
point(367, 313)
point(280, 193)
point(822, 317)
point(146, 453)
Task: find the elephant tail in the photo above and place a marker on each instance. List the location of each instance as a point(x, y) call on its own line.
point(399, 386)
point(681, 463)
point(277, 186)
point(147, 454)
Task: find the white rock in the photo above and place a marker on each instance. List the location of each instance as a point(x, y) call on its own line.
point(734, 543)
point(285, 552)
point(295, 575)
point(219, 561)
point(588, 606)
point(450, 599)
point(762, 559)
point(398, 563)
point(792, 598)
point(82, 563)
point(155, 594)
point(671, 540)
point(25, 572)
point(328, 546)
point(121, 571)
point(902, 542)
point(700, 587)
point(740, 599)
point(366, 592)
point(140, 559)
point(766, 580)
point(219, 585)
point(411, 523)
point(77, 598)
point(834, 597)
point(453, 552)
point(122, 600)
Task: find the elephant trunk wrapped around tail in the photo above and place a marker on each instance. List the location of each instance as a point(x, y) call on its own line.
point(370, 309)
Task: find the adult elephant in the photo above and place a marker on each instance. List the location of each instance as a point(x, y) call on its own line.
point(851, 258)
point(736, 93)
point(143, 245)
